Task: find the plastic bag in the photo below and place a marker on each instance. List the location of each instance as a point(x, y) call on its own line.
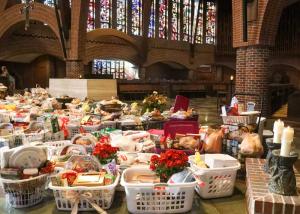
point(213, 142)
point(251, 145)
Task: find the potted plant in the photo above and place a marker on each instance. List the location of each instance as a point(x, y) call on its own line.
point(154, 101)
point(168, 163)
point(105, 153)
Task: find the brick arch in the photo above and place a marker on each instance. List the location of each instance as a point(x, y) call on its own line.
point(98, 33)
point(270, 21)
point(11, 48)
point(168, 60)
point(179, 57)
point(110, 51)
point(41, 12)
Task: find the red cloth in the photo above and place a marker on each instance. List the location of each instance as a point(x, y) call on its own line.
point(181, 103)
point(180, 127)
point(156, 131)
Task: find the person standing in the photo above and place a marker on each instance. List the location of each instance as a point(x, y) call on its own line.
point(11, 79)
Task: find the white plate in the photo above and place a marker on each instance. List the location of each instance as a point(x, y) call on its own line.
point(28, 157)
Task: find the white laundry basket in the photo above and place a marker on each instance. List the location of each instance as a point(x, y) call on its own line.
point(156, 198)
point(101, 195)
point(216, 182)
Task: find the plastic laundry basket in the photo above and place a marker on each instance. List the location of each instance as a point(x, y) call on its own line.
point(156, 198)
point(216, 182)
point(101, 195)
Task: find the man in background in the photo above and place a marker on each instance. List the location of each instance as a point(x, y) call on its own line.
point(11, 80)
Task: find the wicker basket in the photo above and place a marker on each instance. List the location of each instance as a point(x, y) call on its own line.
point(234, 120)
point(112, 108)
point(91, 128)
point(24, 193)
point(108, 124)
point(58, 136)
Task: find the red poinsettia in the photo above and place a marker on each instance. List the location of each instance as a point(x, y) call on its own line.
point(105, 152)
point(168, 163)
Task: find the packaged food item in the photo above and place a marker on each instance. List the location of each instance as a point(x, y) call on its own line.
point(184, 176)
point(147, 178)
point(70, 176)
point(198, 160)
point(56, 181)
point(10, 173)
point(89, 179)
point(29, 173)
point(109, 179)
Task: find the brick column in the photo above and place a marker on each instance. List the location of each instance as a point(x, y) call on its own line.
point(252, 73)
point(74, 69)
point(240, 69)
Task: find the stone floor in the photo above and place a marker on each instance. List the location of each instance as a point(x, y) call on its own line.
point(207, 108)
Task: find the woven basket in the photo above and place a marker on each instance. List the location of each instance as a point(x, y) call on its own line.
point(233, 120)
point(112, 108)
point(24, 193)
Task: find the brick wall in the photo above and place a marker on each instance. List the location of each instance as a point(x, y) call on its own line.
point(262, 30)
point(74, 69)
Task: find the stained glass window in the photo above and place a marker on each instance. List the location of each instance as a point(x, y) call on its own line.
point(210, 22)
point(91, 16)
point(119, 69)
point(187, 13)
point(175, 20)
point(163, 19)
point(49, 2)
point(105, 13)
point(137, 17)
point(199, 30)
point(122, 15)
point(152, 20)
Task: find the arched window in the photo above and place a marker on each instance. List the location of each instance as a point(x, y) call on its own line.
point(91, 16)
point(105, 13)
point(122, 15)
point(119, 69)
point(193, 21)
point(137, 17)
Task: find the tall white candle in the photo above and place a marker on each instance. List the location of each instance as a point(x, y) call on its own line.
point(278, 129)
point(288, 134)
point(286, 141)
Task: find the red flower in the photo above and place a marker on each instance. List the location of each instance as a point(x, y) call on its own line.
point(105, 152)
point(168, 163)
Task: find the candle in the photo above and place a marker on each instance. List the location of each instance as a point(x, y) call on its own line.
point(288, 134)
point(287, 139)
point(277, 129)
